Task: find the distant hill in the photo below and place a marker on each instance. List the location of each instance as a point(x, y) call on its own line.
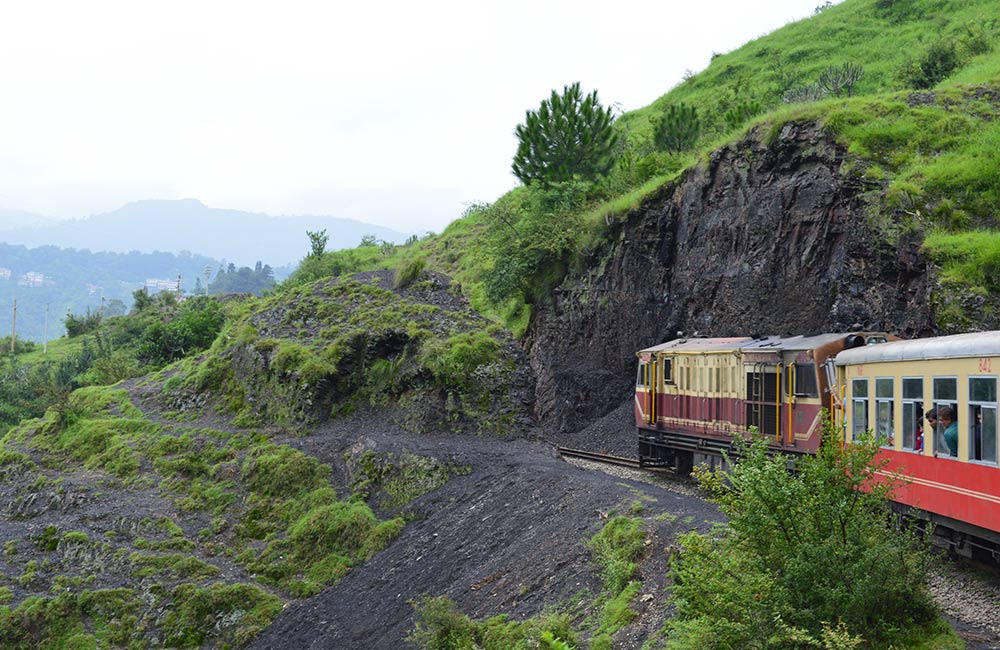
point(189, 225)
point(18, 219)
point(68, 280)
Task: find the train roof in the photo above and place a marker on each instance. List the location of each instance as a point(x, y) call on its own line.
point(699, 345)
point(975, 344)
point(745, 344)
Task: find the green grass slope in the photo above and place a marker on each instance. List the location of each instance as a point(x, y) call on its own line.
point(883, 36)
point(327, 347)
point(919, 126)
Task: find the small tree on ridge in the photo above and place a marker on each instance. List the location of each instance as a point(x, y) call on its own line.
point(570, 136)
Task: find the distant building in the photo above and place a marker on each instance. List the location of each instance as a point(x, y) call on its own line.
point(32, 279)
point(154, 285)
point(4, 274)
point(93, 288)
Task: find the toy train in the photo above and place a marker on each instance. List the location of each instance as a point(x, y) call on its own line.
point(693, 395)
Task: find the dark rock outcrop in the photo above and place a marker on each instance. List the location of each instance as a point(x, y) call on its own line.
point(763, 238)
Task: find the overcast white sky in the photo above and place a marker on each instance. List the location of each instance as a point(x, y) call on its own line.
point(395, 113)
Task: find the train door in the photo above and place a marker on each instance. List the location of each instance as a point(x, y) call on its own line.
point(764, 399)
point(651, 392)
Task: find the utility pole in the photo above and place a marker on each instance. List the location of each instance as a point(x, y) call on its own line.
point(13, 328)
point(178, 285)
point(45, 336)
point(208, 274)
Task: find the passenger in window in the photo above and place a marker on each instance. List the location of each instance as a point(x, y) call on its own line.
point(947, 416)
point(918, 431)
point(977, 435)
point(931, 426)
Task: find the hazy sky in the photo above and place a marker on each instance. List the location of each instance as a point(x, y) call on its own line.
point(396, 113)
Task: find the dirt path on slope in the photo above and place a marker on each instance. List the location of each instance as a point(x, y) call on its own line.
point(507, 538)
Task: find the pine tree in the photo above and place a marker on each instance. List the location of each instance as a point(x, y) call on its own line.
point(570, 136)
point(678, 128)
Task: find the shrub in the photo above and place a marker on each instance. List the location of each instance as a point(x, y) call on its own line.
point(802, 550)
point(230, 613)
point(454, 360)
point(737, 116)
point(279, 471)
point(616, 548)
point(194, 328)
point(341, 528)
point(410, 272)
point(21, 346)
point(82, 324)
point(678, 128)
point(839, 78)
point(441, 625)
point(932, 67)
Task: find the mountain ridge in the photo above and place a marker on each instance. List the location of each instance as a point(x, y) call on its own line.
point(190, 225)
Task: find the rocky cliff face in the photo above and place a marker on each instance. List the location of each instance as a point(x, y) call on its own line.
point(763, 238)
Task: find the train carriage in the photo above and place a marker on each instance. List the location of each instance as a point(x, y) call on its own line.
point(887, 388)
point(693, 394)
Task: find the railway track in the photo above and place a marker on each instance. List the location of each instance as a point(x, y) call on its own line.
point(619, 461)
point(599, 458)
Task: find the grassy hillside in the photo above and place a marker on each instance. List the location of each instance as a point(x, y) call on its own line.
point(246, 524)
point(883, 36)
point(919, 127)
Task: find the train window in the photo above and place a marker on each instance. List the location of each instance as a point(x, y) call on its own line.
point(668, 371)
point(883, 411)
point(640, 379)
point(859, 407)
point(945, 394)
point(805, 380)
point(983, 419)
point(913, 413)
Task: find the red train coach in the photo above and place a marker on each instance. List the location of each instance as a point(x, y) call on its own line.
point(693, 394)
point(948, 471)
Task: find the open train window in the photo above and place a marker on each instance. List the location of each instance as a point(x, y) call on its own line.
point(945, 394)
point(913, 413)
point(805, 380)
point(859, 407)
point(884, 422)
point(668, 370)
point(983, 419)
point(640, 378)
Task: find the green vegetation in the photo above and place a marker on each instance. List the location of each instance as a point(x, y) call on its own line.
point(442, 626)
point(392, 481)
point(230, 279)
point(222, 614)
point(616, 549)
point(333, 345)
point(106, 350)
point(910, 89)
point(679, 127)
point(569, 137)
point(76, 280)
point(317, 242)
point(807, 557)
point(409, 273)
point(923, 164)
point(273, 511)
